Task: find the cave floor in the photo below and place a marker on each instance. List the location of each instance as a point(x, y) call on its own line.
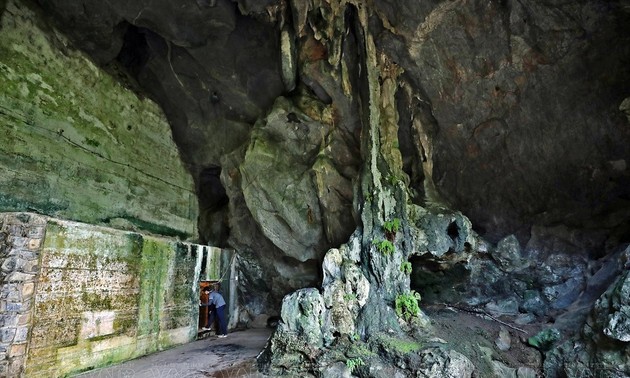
point(233, 356)
point(476, 336)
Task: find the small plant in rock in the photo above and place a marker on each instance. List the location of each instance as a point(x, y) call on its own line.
point(405, 267)
point(384, 246)
point(391, 227)
point(353, 363)
point(393, 179)
point(367, 196)
point(407, 305)
point(349, 297)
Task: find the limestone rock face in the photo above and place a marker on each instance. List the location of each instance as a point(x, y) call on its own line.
point(518, 101)
point(604, 343)
point(495, 132)
point(279, 182)
point(615, 307)
point(511, 112)
point(79, 145)
point(213, 70)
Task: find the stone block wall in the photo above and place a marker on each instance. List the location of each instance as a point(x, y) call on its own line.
point(21, 236)
point(76, 296)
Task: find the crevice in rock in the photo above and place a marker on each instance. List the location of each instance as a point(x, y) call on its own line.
point(412, 156)
point(213, 200)
point(135, 51)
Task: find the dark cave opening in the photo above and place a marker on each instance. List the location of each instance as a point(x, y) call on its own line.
point(453, 231)
point(438, 282)
point(135, 51)
point(213, 201)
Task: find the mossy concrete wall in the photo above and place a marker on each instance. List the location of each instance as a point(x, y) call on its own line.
point(88, 296)
point(78, 145)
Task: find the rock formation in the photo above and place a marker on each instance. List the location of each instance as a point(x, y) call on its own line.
point(475, 152)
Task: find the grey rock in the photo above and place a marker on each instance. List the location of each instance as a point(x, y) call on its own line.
point(283, 200)
point(379, 369)
point(19, 277)
point(534, 303)
point(525, 319)
point(501, 370)
point(443, 363)
point(301, 314)
point(438, 232)
point(337, 370)
point(563, 295)
point(508, 254)
point(507, 306)
point(525, 372)
point(617, 324)
point(504, 340)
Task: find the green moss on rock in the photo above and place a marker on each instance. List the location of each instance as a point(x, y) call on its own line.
point(78, 145)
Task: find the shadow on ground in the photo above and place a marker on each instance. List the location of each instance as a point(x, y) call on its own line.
point(233, 356)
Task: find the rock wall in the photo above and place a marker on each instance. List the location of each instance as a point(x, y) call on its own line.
point(511, 112)
point(21, 239)
point(303, 121)
point(82, 296)
point(514, 108)
point(77, 144)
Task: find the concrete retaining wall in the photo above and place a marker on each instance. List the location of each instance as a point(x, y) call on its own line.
point(77, 296)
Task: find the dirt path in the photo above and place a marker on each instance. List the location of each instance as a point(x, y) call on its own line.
point(233, 356)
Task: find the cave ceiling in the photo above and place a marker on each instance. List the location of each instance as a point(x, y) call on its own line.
point(509, 111)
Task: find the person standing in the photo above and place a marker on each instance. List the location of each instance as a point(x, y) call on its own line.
point(215, 299)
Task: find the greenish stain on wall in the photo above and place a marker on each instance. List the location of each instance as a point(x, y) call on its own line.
point(213, 264)
point(153, 228)
point(105, 296)
point(154, 263)
point(77, 144)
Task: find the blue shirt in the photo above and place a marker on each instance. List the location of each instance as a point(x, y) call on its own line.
point(216, 299)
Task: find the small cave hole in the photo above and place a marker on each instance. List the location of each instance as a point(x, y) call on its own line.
point(453, 231)
point(214, 98)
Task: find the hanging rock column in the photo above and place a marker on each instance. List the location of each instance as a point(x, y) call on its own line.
point(363, 316)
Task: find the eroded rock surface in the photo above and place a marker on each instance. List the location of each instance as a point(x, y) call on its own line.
point(603, 346)
point(497, 133)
